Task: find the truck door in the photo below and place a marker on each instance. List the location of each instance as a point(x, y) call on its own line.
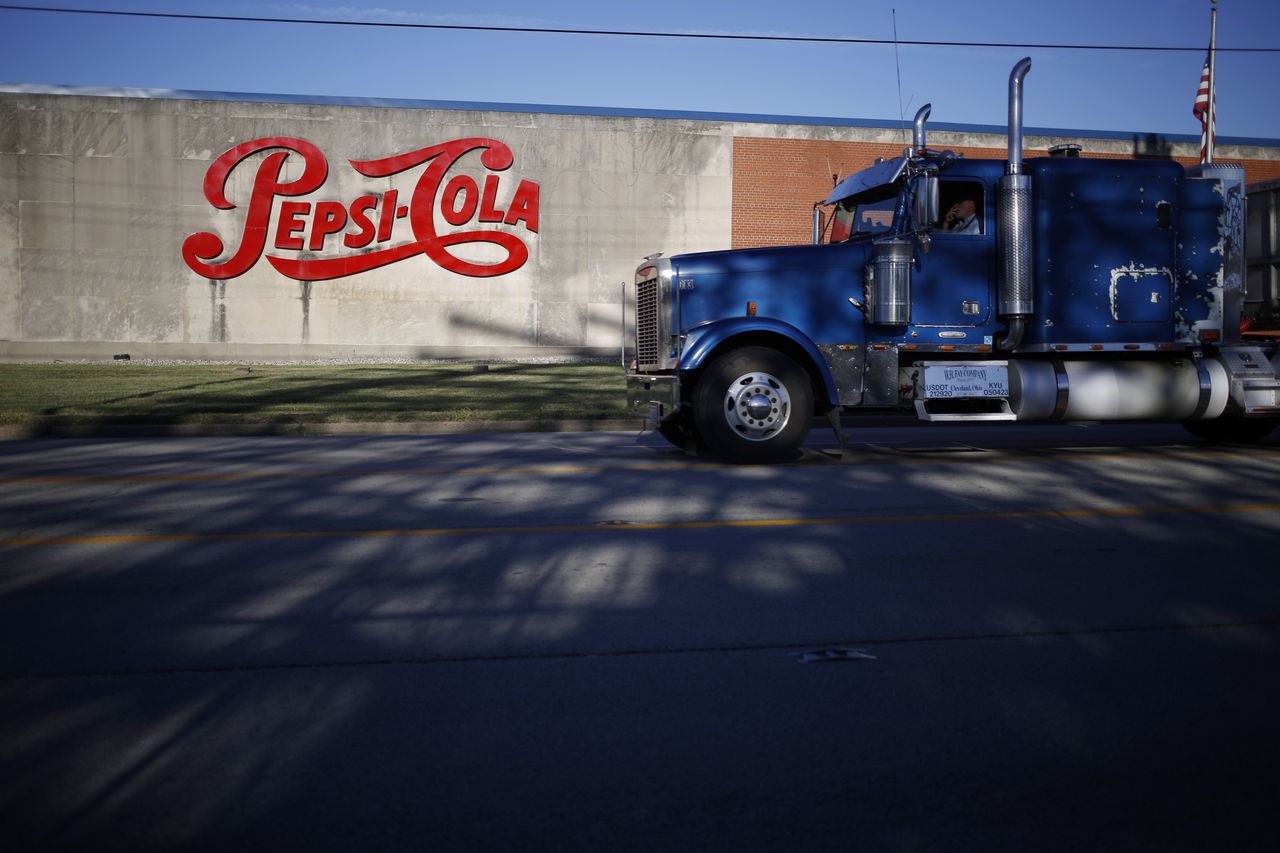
point(953, 284)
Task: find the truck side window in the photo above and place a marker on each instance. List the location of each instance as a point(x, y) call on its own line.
point(962, 206)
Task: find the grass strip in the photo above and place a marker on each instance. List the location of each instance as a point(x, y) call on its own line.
point(139, 393)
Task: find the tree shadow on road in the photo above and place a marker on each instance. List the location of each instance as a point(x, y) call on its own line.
point(337, 643)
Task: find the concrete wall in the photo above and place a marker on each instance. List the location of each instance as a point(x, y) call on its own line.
point(99, 193)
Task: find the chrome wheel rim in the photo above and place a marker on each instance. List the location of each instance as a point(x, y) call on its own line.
point(757, 406)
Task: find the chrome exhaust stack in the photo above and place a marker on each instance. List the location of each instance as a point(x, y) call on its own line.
point(1013, 215)
point(917, 124)
point(1016, 76)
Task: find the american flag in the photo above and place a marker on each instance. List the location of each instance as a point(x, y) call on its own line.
point(1206, 113)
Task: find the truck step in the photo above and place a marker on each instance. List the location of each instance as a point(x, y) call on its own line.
point(965, 409)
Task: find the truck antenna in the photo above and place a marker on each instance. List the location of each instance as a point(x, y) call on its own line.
point(902, 116)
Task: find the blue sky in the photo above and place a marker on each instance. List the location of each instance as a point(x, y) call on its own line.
point(1139, 92)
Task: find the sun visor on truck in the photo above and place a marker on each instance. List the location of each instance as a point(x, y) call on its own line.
point(879, 175)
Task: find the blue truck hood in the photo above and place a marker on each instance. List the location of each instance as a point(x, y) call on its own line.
point(807, 286)
point(769, 259)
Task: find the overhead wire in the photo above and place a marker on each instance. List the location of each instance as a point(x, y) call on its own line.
point(255, 19)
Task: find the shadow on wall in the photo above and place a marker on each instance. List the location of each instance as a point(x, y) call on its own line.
point(1152, 146)
point(548, 324)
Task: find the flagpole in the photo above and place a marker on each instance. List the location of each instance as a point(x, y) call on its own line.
point(1213, 38)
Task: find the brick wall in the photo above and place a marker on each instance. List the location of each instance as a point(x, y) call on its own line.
point(777, 181)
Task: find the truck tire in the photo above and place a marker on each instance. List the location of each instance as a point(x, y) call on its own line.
point(753, 404)
point(1234, 430)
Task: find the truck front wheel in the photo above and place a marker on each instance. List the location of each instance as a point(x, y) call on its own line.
point(753, 405)
point(1229, 429)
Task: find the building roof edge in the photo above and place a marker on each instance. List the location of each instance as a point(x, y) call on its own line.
point(607, 112)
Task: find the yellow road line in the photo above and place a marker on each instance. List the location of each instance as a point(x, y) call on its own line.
point(602, 527)
point(941, 456)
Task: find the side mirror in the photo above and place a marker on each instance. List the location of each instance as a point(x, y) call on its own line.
point(925, 212)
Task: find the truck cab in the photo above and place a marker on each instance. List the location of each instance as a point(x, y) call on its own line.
point(1050, 288)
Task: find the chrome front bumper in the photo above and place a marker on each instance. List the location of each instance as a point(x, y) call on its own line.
point(653, 396)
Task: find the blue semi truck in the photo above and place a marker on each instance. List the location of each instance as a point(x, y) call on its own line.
point(1078, 289)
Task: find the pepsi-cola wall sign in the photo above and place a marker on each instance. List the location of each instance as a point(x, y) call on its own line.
point(344, 233)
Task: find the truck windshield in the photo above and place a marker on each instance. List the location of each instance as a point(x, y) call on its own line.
point(868, 213)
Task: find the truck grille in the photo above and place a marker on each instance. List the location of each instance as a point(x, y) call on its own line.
point(647, 325)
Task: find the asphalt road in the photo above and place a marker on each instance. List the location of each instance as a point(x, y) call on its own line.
point(1068, 638)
